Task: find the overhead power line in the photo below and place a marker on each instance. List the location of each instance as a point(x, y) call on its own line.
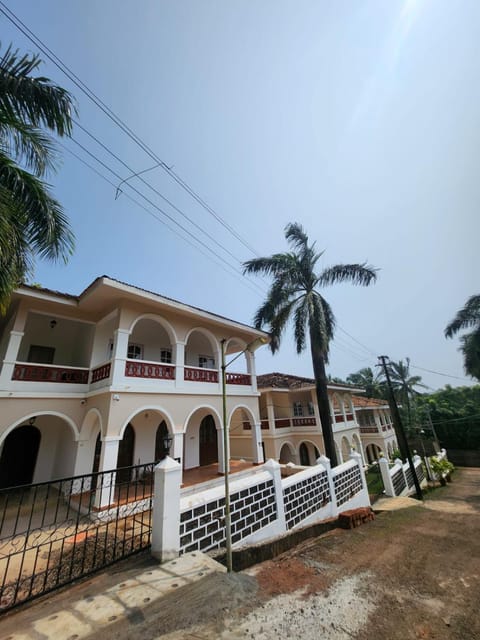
point(165, 214)
point(151, 213)
point(58, 62)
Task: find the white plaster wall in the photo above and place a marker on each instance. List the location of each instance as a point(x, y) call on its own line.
point(71, 340)
point(104, 333)
point(153, 337)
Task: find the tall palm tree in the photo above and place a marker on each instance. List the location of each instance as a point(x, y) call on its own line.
point(405, 385)
point(294, 296)
point(468, 317)
point(32, 222)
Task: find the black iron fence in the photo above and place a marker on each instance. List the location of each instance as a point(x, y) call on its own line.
point(52, 533)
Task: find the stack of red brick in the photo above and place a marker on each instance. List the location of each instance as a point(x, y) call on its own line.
point(355, 517)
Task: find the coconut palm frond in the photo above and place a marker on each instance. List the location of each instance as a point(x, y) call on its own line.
point(28, 145)
point(360, 274)
point(35, 100)
point(468, 316)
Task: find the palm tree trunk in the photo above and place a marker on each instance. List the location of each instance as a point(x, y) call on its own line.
point(318, 362)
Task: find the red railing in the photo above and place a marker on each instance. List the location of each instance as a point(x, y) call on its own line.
point(238, 378)
point(281, 423)
point(48, 373)
point(195, 374)
point(304, 422)
point(101, 373)
point(339, 417)
point(142, 370)
point(349, 416)
point(368, 430)
point(264, 425)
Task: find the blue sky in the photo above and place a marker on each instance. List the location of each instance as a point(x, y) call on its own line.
point(359, 119)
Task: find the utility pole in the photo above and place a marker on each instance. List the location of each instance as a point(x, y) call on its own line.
point(404, 448)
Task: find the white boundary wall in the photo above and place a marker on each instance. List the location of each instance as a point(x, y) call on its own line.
point(263, 504)
point(398, 479)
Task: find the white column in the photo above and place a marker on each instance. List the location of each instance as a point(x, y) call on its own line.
point(179, 364)
point(270, 413)
point(11, 357)
point(166, 510)
point(323, 460)
point(257, 449)
point(177, 446)
point(105, 493)
point(252, 370)
point(120, 347)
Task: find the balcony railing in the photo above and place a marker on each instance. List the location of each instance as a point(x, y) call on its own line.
point(238, 378)
point(49, 373)
point(198, 374)
point(304, 422)
point(101, 373)
point(155, 370)
point(368, 430)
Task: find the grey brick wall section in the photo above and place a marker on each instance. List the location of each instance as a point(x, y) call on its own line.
point(305, 497)
point(398, 481)
point(203, 527)
point(347, 484)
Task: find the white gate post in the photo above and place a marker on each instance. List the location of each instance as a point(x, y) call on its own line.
point(166, 510)
point(386, 477)
point(323, 460)
point(273, 467)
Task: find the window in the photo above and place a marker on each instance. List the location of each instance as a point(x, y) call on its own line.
point(135, 351)
point(206, 362)
point(41, 355)
point(297, 409)
point(311, 409)
point(166, 356)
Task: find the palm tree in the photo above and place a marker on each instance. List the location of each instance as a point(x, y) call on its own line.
point(370, 381)
point(468, 317)
point(32, 222)
point(294, 296)
point(404, 385)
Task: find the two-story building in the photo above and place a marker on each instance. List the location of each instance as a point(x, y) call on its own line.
point(94, 382)
point(376, 427)
point(290, 421)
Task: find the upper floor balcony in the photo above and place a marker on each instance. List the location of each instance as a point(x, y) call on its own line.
point(66, 354)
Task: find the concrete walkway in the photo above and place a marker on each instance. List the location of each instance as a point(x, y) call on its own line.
point(87, 610)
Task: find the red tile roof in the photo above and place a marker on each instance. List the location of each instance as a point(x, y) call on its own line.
point(287, 381)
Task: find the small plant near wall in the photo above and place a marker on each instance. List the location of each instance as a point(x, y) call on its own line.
point(396, 453)
point(442, 469)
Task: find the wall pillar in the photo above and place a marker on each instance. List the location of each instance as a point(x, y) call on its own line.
point(274, 468)
point(105, 492)
point(119, 356)
point(179, 358)
point(386, 477)
point(166, 510)
point(270, 413)
point(11, 356)
point(324, 461)
point(354, 455)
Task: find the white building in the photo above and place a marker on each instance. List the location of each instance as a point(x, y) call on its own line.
point(376, 427)
point(291, 426)
point(92, 382)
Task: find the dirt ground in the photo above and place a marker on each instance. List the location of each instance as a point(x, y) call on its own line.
point(412, 573)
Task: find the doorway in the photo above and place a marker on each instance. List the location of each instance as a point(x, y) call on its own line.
point(19, 456)
point(208, 441)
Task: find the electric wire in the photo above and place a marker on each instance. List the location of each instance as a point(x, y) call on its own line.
point(57, 61)
point(156, 217)
point(163, 212)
